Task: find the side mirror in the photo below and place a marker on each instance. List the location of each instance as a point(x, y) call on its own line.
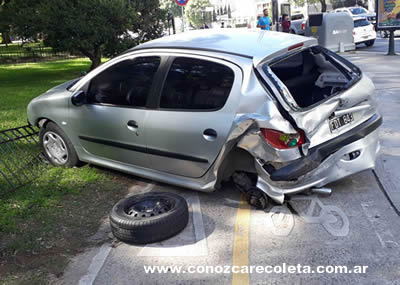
point(79, 98)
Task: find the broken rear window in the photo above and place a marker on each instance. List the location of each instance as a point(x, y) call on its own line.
point(311, 76)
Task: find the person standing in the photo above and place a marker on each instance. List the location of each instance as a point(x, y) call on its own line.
point(285, 23)
point(264, 22)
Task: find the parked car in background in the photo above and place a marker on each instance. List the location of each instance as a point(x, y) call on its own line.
point(363, 32)
point(273, 112)
point(297, 24)
point(359, 11)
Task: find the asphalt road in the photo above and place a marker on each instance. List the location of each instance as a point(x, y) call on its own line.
point(356, 225)
point(381, 45)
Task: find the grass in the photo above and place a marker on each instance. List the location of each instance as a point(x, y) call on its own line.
point(22, 82)
point(45, 223)
point(17, 48)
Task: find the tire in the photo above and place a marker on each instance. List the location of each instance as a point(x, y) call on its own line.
point(131, 224)
point(61, 142)
point(370, 43)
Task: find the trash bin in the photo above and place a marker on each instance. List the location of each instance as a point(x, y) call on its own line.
point(333, 31)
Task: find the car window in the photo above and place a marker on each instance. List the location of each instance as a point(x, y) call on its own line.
point(361, 23)
point(195, 84)
point(297, 17)
point(357, 11)
point(127, 83)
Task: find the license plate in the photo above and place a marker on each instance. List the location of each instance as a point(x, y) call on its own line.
point(341, 121)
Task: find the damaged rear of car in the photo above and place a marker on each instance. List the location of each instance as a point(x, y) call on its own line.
point(328, 124)
point(273, 112)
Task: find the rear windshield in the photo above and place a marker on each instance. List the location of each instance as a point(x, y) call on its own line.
point(361, 23)
point(358, 11)
point(297, 17)
point(311, 76)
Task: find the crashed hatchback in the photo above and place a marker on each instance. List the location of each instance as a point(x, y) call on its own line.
point(274, 112)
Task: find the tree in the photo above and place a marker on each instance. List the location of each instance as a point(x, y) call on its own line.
point(86, 26)
point(170, 5)
point(151, 22)
point(25, 19)
point(349, 3)
point(194, 12)
point(5, 19)
point(323, 3)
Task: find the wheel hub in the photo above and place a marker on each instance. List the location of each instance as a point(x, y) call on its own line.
point(149, 207)
point(55, 148)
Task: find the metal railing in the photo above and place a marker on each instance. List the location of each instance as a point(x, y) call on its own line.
point(21, 161)
point(34, 54)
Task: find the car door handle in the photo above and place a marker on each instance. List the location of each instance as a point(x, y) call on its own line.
point(210, 134)
point(133, 124)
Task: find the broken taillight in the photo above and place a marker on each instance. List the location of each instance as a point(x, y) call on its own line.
point(281, 140)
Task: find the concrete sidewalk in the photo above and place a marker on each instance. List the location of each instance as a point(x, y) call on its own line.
point(385, 73)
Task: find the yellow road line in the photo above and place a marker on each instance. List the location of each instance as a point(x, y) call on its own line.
point(241, 242)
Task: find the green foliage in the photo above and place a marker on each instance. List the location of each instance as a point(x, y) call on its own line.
point(323, 3)
point(349, 3)
point(151, 21)
point(194, 12)
point(92, 27)
point(170, 5)
point(85, 26)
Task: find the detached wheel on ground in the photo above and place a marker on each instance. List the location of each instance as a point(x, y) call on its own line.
point(149, 217)
point(56, 146)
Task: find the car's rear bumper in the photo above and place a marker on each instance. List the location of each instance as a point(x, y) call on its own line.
point(362, 40)
point(325, 163)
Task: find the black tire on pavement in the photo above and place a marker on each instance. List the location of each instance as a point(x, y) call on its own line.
point(370, 43)
point(149, 217)
point(70, 158)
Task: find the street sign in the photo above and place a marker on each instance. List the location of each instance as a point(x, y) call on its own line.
point(388, 14)
point(181, 2)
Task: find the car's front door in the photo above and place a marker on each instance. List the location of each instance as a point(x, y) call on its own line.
point(112, 123)
point(196, 109)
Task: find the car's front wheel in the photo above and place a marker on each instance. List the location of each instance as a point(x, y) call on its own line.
point(56, 146)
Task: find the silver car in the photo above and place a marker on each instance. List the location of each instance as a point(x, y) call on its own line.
point(274, 112)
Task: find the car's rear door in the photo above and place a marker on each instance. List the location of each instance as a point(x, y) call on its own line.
point(112, 123)
point(194, 114)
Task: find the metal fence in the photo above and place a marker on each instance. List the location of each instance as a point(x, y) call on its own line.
point(34, 54)
point(20, 158)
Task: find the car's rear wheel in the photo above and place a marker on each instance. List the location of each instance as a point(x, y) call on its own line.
point(56, 146)
point(149, 217)
point(370, 43)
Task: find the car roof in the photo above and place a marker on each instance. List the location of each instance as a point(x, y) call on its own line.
point(251, 43)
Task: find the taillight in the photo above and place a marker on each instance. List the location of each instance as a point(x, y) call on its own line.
point(281, 140)
point(373, 27)
point(303, 26)
point(299, 45)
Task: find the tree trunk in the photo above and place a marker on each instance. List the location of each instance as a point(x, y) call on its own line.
point(323, 6)
point(6, 37)
point(95, 58)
